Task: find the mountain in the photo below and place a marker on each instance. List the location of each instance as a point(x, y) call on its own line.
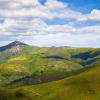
point(32, 60)
point(11, 45)
point(14, 48)
point(20, 62)
point(25, 65)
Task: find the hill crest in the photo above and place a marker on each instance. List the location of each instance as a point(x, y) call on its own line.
point(11, 45)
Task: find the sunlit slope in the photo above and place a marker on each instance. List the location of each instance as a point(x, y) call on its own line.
point(32, 60)
point(19, 60)
point(85, 86)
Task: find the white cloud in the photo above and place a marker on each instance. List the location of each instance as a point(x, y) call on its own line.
point(54, 4)
point(52, 9)
point(27, 8)
point(25, 19)
point(60, 39)
point(95, 15)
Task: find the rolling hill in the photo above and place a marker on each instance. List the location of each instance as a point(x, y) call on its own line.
point(49, 73)
point(84, 86)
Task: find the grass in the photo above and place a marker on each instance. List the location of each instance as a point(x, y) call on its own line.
point(51, 61)
point(29, 61)
point(32, 59)
point(85, 86)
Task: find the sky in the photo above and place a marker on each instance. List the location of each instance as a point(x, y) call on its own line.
point(73, 23)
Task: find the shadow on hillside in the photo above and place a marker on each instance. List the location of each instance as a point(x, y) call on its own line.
point(55, 57)
point(86, 55)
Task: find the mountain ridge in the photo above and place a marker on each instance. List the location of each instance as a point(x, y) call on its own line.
point(10, 45)
point(23, 65)
point(20, 60)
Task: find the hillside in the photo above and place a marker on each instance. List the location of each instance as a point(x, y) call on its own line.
point(19, 60)
point(84, 86)
point(49, 73)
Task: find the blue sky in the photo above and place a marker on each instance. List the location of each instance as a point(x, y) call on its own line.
point(73, 23)
point(84, 6)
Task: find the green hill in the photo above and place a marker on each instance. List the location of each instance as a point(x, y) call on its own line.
point(84, 86)
point(18, 60)
point(49, 73)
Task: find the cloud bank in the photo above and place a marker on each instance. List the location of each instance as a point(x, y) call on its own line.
point(25, 20)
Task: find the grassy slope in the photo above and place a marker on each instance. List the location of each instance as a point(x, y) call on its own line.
point(85, 86)
point(33, 59)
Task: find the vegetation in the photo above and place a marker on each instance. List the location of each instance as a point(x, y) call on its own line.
point(84, 86)
point(21, 65)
